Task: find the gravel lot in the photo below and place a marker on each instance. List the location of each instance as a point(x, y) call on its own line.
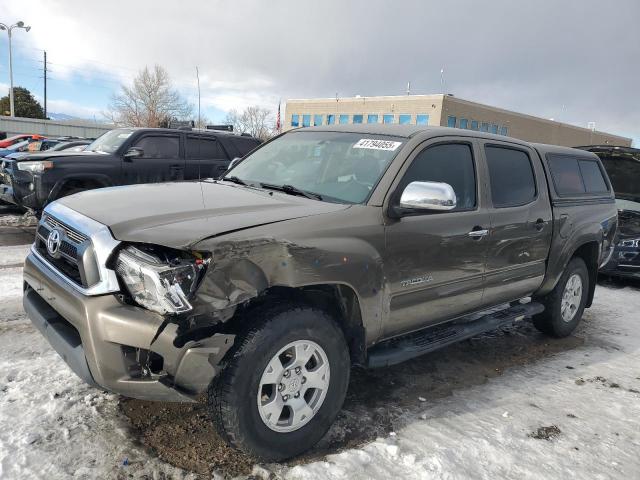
point(511, 404)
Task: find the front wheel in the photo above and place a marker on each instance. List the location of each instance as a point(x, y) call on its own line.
point(566, 302)
point(284, 383)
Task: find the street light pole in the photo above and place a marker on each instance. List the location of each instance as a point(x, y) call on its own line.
point(8, 29)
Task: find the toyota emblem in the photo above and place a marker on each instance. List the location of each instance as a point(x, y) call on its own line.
point(53, 242)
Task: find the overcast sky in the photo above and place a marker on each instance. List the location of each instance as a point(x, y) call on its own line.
point(576, 61)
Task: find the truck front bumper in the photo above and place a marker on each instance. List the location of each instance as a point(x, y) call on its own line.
point(102, 340)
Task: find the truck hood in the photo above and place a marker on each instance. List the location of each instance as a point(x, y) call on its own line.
point(180, 214)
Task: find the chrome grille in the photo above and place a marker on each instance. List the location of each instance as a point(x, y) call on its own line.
point(67, 261)
point(71, 234)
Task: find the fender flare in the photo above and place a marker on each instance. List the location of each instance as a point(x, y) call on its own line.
point(59, 186)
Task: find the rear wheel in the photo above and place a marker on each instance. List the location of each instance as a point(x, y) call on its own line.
point(565, 305)
point(284, 383)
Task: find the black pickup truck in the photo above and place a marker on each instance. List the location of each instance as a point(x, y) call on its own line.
point(123, 156)
point(623, 167)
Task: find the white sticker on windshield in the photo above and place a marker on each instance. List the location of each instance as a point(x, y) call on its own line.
point(373, 144)
point(124, 135)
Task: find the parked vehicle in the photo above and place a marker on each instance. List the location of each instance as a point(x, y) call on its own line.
point(120, 157)
point(7, 142)
point(324, 248)
point(34, 146)
point(71, 145)
point(15, 148)
point(623, 166)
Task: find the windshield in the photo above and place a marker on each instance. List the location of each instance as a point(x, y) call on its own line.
point(338, 166)
point(110, 141)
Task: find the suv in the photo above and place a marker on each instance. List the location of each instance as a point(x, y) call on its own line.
point(120, 157)
point(324, 248)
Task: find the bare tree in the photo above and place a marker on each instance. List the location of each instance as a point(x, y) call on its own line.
point(256, 121)
point(150, 102)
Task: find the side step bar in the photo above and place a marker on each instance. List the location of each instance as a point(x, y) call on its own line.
point(399, 349)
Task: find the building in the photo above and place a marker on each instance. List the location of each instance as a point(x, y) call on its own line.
point(53, 128)
point(441, 110)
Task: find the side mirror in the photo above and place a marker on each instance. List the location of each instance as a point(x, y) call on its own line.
point(233, 163)
point(428, 196)
point(134, 152)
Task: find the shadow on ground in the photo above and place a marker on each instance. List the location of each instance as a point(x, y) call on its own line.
point(378, 401)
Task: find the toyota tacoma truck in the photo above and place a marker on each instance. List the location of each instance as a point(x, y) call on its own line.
point(123, 156)
point(325, 248)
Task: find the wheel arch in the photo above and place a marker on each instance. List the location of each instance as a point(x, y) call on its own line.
point(338, 300)
point(95, 181)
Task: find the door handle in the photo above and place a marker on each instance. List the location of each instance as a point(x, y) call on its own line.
point(539, 225)
point(478, 233)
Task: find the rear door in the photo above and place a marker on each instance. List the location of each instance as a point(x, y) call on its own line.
point(433, 262)
point(206, 157)
point(161, 160)
point(520, 233)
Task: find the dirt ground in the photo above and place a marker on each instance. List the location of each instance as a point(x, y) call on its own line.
point(378, 401)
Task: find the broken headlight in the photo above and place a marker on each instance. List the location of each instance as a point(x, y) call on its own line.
point(159, 281)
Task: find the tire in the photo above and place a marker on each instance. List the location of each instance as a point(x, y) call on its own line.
point(233, 395)
point(552, 321)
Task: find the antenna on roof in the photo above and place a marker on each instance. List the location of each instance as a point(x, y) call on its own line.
point(409, 87)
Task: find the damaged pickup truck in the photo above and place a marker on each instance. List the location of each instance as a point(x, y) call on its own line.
point(324, 248)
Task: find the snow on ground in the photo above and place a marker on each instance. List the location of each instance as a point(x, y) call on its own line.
point(53, 426)
point(14, 255)
point(591, 394)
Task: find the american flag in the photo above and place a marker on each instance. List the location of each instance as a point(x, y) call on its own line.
point(278, 119)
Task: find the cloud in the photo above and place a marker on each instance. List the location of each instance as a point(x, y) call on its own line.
point(574, 60)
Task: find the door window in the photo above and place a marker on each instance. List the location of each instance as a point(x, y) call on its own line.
point(511, 177)
point(204, 148)
point(450, 163)
point(155, 146)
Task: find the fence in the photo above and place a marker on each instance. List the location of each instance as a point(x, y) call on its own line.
point(53, 128)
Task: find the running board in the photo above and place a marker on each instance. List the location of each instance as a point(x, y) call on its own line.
point(403, 348)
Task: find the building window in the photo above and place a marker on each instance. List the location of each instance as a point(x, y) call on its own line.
point(372, 118)
point(357, 119)
point(306, 120)
point(404, 119)
point(422, 119)
point(295, 122)
point(484, 127)
point(494, 128)
point(317, 120)
point(504, 131)
point(331, 119)
point(343, 119)
point(387, 118)
point(451, 121)
point(474, 125)
point(464, 123)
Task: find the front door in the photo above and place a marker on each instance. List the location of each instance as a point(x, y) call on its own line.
point(435, 260)
point(160, 161)
point(520, 234)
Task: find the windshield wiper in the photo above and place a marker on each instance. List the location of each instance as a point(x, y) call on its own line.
point(234, 179)
point(291, 190)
